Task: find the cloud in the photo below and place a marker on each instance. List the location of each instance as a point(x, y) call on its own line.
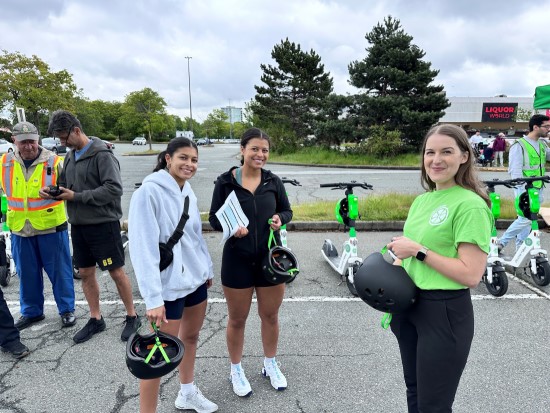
point(115, 47)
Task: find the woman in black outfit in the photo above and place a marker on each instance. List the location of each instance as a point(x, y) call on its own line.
point(262, 197)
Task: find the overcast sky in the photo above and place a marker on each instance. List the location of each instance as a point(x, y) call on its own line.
point(112, 48)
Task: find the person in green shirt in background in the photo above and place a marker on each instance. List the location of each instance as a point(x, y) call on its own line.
point(444, 250)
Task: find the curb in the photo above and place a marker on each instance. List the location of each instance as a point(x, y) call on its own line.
point(318, 226)
point(403, 168)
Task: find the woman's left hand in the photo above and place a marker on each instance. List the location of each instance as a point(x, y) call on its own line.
point(209, 283)
point(403, 247)
point(275, 222)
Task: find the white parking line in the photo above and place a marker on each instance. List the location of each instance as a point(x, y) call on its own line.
point(321, 299)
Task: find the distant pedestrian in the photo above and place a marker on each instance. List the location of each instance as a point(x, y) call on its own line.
point(476, 139)
point(499, 146)
point(92, 186)
point(527, 158)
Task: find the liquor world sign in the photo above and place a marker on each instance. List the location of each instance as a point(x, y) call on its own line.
point(499, 112)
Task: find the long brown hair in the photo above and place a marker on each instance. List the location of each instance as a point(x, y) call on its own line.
point(466, 175)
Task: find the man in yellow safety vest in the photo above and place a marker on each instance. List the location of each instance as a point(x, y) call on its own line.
point(39, 229)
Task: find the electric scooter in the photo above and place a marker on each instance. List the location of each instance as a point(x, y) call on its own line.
point(494, 277)
point(537, 267)
point(346, 211)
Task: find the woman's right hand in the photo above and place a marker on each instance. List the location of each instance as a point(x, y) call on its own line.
point(156, 315)
point(241, 232)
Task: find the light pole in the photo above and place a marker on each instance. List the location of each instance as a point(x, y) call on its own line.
point(230, 121)
point(190, 110)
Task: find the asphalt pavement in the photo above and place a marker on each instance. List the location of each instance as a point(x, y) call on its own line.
point(334, 353)
point(332, 349)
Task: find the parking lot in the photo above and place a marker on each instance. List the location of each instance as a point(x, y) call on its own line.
point(332, 349)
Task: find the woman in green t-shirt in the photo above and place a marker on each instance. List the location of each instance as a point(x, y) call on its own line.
point(444, 250)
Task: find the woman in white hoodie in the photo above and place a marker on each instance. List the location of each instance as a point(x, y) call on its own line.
point(155, 210)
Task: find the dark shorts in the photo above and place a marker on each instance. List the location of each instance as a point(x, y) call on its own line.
point(100, 243)
point(242, 272)
point(174, 309)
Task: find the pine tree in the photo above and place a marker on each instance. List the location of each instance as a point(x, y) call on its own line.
point(397, 85)
point(293, 90)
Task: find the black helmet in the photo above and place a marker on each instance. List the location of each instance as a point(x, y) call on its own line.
point(342, 212)
point(523, 208)
point(145, 355)
point(280, 265)
point(384, 286)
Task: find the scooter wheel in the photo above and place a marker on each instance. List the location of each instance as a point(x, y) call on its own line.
point(5, 276)
point(351, 287)
point(499, 286)
point(542, 276)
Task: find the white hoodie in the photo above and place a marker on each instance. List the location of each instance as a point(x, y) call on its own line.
point(155, 210)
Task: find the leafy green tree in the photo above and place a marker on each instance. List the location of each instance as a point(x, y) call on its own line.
point(523, 115)
point(293, 90)
point(333, 127)
point(144, 109)
point(29, 83)
point(397, 89)
point(90, 116)
point(197, 128)
point(215, 124)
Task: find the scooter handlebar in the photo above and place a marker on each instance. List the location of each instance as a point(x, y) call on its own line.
point(345, 185)
point(290, 181)
point(512, 183)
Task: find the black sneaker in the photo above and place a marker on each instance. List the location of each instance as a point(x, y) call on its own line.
point(92, 327)
point(68, 319)
point(131, 326)
point(16, 349)
point(25, 322)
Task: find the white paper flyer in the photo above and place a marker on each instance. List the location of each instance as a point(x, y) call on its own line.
point(231, 216)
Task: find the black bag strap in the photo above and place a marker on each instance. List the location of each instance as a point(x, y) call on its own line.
point(178, 233)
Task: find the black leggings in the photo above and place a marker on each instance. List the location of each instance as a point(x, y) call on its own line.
point(434, 340)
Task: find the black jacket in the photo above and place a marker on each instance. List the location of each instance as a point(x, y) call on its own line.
point(270, 198)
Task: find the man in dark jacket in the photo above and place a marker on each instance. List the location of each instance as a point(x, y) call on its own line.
point(92, 186)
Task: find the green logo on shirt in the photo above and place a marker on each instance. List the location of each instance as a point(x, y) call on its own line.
point(439, 216)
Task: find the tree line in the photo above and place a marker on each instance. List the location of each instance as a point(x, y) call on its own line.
point(395, 104)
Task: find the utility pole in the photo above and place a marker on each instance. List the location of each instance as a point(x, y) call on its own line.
point(190, 110)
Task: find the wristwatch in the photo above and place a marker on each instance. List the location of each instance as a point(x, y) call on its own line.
point(421, 255)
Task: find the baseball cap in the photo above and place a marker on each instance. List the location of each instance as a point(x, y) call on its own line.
point(25, 131)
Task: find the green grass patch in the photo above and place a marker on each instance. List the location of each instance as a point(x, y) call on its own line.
point(322, 156)
point(143, 153)
point(387, 207)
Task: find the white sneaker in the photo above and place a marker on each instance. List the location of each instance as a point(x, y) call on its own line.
point(195, 401)
point(241, 386)
point(278, 380)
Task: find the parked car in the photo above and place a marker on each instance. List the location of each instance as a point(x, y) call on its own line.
point(109, 145)
point(203, 141)
point(54, 145)
point(139, 141)
point(5, 146)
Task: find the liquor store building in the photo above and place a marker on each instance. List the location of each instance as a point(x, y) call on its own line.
point(491, 115)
